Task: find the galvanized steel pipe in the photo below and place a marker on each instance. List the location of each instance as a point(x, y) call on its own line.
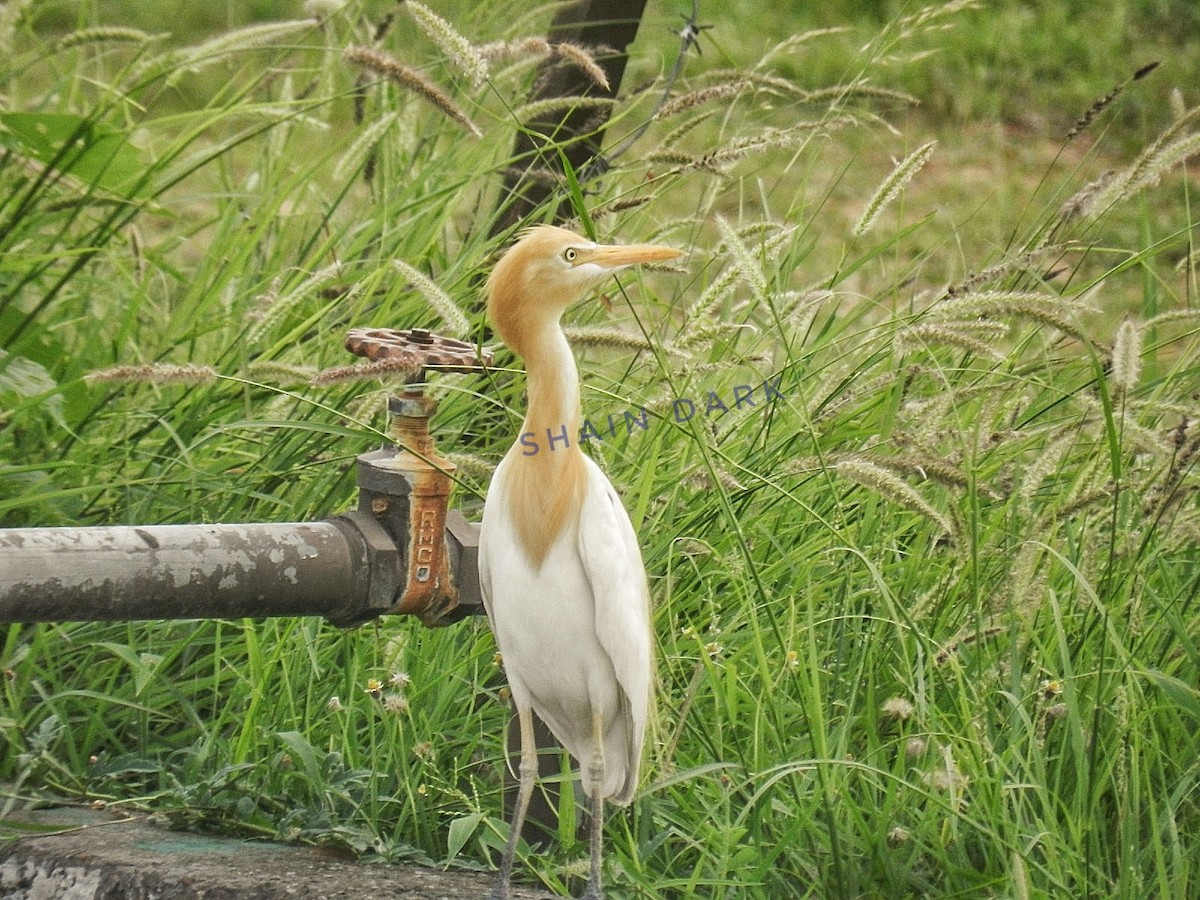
point(127, 573)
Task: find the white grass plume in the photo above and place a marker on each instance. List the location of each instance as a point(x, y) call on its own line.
point(277, 307)
point(743, 260)
point(454, 318)
point(556, 105)
point(950, 333)
point(155, 373)
point(893, 488)
point(1126, 358)
point(892, 186)
point(361, 148)
point(614, 338)
point(196, 59)
point(457, 48)
point(107, 34)
point(580, 57)
point(1172, 148)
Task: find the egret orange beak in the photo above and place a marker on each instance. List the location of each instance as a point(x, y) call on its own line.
point(618, 256)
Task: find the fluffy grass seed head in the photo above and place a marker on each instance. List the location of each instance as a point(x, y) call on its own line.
point(717, 161)
point(1174, 315)
point(612, 338)
point(457, 48)
point(711, 300)
point(275, 371)
point(1126, 358)
point(196, 59)
point(1172, 148)
point(771, 138)
point(933, 468)
point(455, 319)
point(1082, 201)
point(107, 34)
point(412, 80)
point(1167, 157)
point(684, 102)
point(893, 488)
point(743, 260)
point(1177, 103)
point(1046, 309)
point(155, 373)
point(892, 186)
point(582, 60)
point(360, 150)
point(550, 106)
point(991, 274)
point(931, 17)
point(1047, 464)
point(404, 366)
point(276, 307)
point(926, 333)
point(564, 51)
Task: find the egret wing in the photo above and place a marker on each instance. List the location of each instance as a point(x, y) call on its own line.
point(609, 551)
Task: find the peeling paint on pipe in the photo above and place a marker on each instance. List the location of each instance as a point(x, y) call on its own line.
point(127, 573)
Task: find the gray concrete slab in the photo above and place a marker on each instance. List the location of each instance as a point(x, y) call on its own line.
point(85, 854)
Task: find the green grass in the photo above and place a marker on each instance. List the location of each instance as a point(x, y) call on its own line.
point(926, 619)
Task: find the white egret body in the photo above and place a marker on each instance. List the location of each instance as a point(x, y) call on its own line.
point(562, 576)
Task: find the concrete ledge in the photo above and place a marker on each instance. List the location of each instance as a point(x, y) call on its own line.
point(84, 854)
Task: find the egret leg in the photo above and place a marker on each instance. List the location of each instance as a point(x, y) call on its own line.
point(595, 786)
point(527, 770)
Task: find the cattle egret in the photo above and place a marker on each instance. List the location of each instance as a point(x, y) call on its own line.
point(562, 576)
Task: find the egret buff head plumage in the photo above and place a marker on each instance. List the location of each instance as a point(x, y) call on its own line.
point(547, 270)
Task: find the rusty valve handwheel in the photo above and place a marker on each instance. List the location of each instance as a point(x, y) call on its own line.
point(418, 345)
point(405, 487)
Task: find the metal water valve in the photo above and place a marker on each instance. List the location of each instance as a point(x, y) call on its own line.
point(405, 487)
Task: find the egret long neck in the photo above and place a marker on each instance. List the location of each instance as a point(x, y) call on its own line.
point(553, 416)
point(546, 471)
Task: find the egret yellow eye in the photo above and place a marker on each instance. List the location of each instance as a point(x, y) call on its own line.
point(570, 254)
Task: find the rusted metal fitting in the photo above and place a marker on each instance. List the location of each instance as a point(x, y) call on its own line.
point(406, 486)
point(420, 345)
